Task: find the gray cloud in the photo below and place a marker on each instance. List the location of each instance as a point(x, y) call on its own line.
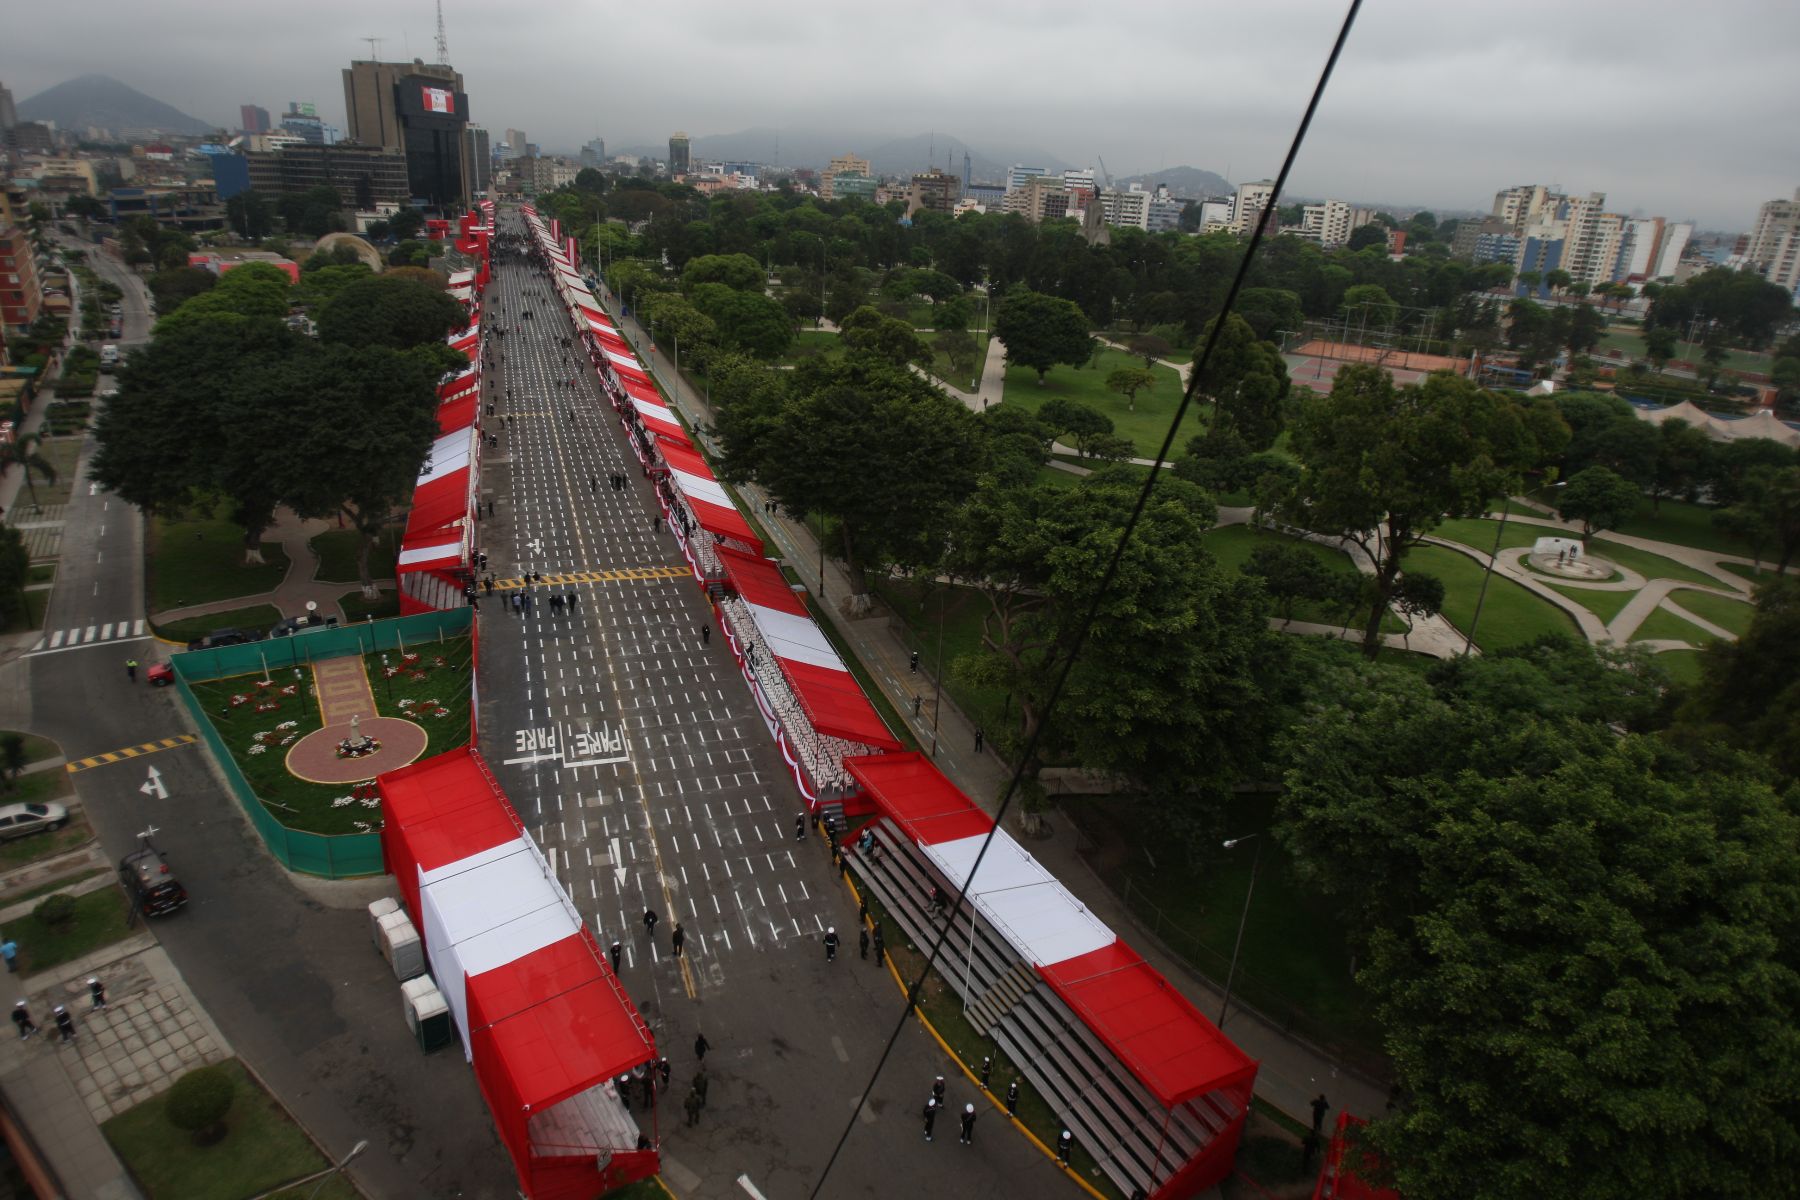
point(1667, 109)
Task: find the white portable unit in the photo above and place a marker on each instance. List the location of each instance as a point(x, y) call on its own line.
point(401, 946)
point(378, 910)
point(427, 1015)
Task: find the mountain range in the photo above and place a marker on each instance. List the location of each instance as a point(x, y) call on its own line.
point(103, 101)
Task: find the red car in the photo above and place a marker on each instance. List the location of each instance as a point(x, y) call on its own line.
point(160, 674)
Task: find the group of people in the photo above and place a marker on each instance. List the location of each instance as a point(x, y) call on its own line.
point(64, 1020)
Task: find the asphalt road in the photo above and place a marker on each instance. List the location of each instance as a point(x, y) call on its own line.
point(633, 748)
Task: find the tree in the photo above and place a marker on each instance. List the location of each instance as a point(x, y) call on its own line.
point(12, 754)
point(748, 322)
point(1369, 304)
point(1081, 423)
point(739, 272)
point(1585, 327)
point(1557, 279)
point(249, 215)
point(1041, 331)
point(198, 1102)
point(1128, 382)
point(1418, 595)
point(1383, 466)
point(384, 311)
point(1599, 499)
point(15, 575)
point(1749, 690)
point(1579, 945)
point(1659, 346)
point(1714, 357)
point(1364, 236)
point(867, 331)
point(1768, 513)
point(1150, 348)
point(170, 289)
point(1248, 384)
point(1290, 573)
point(22, 451)
point(960, 347)
point(1684, 457)
point(406, 223)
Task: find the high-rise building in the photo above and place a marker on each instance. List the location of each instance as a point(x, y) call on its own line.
point(9, 114)
point(1526, 205)
point(302, 120)
point(934, 191)
point(1123, 210)
point(1017, 177)
point(367, 178)
point(842, 164)
point(1253, 200)
point(20, 296)
point(480, 160)
point(1638, 248)
point(1774, 246)
point(593, 154)
point(1331, 222)
point(1592, 237)
point(420, 109)
point(253, 118)
point(1039, 198)
point(679, 162)
point(1674, 245)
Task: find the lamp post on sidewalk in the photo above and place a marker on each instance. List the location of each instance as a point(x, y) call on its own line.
point(937, 683)
point(1243, 918)
point(1481, 596)
point(354, 1151)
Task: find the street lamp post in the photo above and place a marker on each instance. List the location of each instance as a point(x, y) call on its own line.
point(388, 679)
point(821, 515)
point(1481, 596)
point(339, 1166)
point(1243, 918)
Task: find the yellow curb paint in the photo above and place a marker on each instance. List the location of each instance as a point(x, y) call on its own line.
point(129, 752)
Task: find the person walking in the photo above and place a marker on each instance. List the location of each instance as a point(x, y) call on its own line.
point(9, 950)
point(22, 1018)
point(701, 1084)
point(701, 1046)
point(880, 948)
point(617, 949)
point(677, 937)
point(980, 740)
point(968, 1125)
point(97, 992)
point(831, 944)
point(862, 942)
point(931, 1111)
point(706, 635)
point(937, 1089)
point(1320, 1106)
point(65, 1024)
point(650, 921)
point(987, 1068)
point(799, 826)
point(1065, 1145)
point(131, 670)
point(1012, 1097)
point(692, 1106)
point(664, 1070)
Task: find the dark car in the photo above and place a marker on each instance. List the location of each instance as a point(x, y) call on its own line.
point(151, 886)
point(289, 626)
point(225, 637)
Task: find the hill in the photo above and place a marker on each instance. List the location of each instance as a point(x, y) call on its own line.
point(103, 101)
point(1190, 183)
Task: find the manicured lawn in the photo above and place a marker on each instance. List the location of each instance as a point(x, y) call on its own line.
point(199, 561)
point(1683, 666)
point(1296, 959)
point(1146, 426)
point(1603, 604)
point(1650, 566)
point(257, 616)
point(42, 573)
point(1631, 342)
point(963, 609)
point(809, 343)
point(1477, 533)
point(358, 607)
point(262, 1149)
point(99, 920)
point(1233, 544)
point(1682, 524)
point(35, 604)
point(1056, 478)
point(310, 806)
point(1748, 573)
point(337, 550)
point(62, 453)
point(1511, 616)
point(1720, 610)
point(36, 748)
point(1664, 626)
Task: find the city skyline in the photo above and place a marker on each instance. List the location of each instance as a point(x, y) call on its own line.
point(1430, 107)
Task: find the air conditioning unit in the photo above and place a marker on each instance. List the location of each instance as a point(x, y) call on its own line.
point(401, 946)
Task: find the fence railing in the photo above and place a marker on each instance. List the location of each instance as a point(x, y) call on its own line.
point(1248, 992)
point(332, 856)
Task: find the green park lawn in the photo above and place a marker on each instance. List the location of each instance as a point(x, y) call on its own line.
point(262, 1149)
point(358, 607)
point(1749, 574)
point(1145, 426)
point(337, 550)
point(1682, 524)
point(257, 616)
point(1477, 533)
point(1233, 544)
point(297, 803)
point(199, 561)
point(918, 606)
point(1683, 666)
point(1722, 611)
point(941, 369)
point(1603, 603)
point(1511, 616)
point(1650, 566)
point(62, 453)
point(1630, 342)
point(1664, 626)
point(98, 920)
point(809, 343)
point(30, 615)
point(1058, 478)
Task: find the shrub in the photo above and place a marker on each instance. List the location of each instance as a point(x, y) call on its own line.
point(198, 1102)
point(56, 909)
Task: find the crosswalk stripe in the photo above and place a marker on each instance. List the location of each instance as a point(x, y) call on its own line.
point(56, 639)
point(89, 635)
point(106, 631)
point(137, 630)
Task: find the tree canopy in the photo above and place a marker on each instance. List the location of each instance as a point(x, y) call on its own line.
point(1041, 331)
point(395, 312)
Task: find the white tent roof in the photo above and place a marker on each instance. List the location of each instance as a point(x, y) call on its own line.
point(1019, 897)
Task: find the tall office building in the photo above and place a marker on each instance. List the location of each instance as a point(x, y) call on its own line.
point(1253, 200)
point(593, 154)
point(1020, 174)
point(419, 109)
point(480, 160)
point(1526, 205)
point(9, 115)
point(678, 153)
point(841, 164)
point(1674, 245)
point(253, 118)
point(1774, 248)
point(1592, 237)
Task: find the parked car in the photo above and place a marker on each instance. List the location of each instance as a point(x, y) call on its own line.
point(17, 820)
point(151, 886)
point(160, 674)
point(224, 637)
point(289, 626)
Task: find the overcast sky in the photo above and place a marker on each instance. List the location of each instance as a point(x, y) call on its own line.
point(1680, 110)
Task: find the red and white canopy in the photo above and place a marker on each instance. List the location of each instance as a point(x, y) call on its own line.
point(712, 506)
point(446, 478)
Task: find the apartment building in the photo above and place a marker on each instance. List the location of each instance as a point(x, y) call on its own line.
point(1527, 205)
point(1330, 223)
point(1252, 202)
point(1124, 210)
point(842, 164)
point(1041, 198)
point(1017, 177)
point(933, 191)
point(21, 296)
point(1774, 245)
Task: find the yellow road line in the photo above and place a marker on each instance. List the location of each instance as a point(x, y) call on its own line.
point(130, 752)
point(615, 575)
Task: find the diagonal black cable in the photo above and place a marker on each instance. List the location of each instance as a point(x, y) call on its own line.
point(1112, 569)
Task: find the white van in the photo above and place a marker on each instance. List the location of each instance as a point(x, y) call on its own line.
point(109, 355)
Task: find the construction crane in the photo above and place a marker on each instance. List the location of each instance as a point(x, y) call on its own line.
point(1105, 175)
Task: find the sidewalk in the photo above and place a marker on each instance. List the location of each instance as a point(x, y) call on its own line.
point(1292, 1072)
point(297, 587)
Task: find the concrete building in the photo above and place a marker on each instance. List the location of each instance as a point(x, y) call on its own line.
point(990, 196)
point(1253, 200)
point(253, 118)
point(1080, 179)
point(1019, 174)
point(302, 120)
point(1165, 210)
point(847, 185)
point(480, 160)
point(367, 178)
point(1123, 210)
point(1500, 246)
point(1774, 244)
point(21, 295)
point(1330, 222)
point(67, 176)
point(933, 191)
point(841, 164)
point(1040, 198)
point(1215, 214)
point(1527, 205)
point(1591, 239)
point(1638, 248)
point(679, 161)
point(1469, 235)
point(593, 154)
point(419, 109)
point(1675, 239)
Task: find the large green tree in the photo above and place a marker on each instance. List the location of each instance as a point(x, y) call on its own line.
point(1749, 690)
point(1041, 331)
point(1599, 499)
point(398, 313)
point(1383, 466)
point(868, 331)
point(1247, 382)
point(1581, 947)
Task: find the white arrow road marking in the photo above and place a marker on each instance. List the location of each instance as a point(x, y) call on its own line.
point(154, 785)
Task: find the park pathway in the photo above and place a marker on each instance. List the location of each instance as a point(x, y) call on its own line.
point(344, 690)
point(299, 585)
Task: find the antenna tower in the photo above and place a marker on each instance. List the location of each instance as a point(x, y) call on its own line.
point(442, 49)
point(374, 48)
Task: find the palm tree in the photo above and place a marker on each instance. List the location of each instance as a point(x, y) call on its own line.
point(24, 451)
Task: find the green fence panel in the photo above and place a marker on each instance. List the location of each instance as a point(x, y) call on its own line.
point(332, 856)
